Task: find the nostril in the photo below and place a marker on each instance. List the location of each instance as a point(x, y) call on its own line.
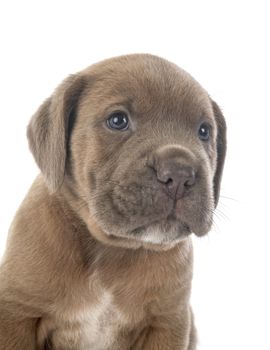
point(190, 181)
point(169, 181)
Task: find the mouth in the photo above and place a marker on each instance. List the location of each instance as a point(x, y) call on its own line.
point(158, 234)
point(163, 223)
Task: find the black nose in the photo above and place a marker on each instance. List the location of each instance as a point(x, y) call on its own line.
point(175, 174)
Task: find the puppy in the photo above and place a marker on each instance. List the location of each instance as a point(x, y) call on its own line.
point(99, 256)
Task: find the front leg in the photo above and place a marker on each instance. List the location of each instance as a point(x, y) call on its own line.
point(17, 327)
point(18, 335)
point(171, 332)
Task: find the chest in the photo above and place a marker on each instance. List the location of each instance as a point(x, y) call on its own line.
point(96, 326)
point(111, 310)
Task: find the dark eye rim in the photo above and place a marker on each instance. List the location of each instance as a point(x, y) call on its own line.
point(108, 120)
point(208, 127)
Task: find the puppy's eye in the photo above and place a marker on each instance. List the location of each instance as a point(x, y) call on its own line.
point(118, 121)
point(204, 132)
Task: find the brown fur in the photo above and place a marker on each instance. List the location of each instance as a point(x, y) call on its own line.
point(99, 255)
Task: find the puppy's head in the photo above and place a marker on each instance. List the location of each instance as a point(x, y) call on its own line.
point(140, 145)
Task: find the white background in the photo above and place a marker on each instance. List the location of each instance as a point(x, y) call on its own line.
point(225, 46)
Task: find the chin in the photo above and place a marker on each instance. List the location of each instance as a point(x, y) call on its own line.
point(160, 235)
point(163, 232)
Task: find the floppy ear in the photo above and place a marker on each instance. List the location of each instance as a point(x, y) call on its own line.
point(221, 149)
point(49, 127)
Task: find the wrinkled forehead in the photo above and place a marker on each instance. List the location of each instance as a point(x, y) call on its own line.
point(147, 84)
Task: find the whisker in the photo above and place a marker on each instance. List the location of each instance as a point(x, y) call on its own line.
point(220, 214)
point(223, 206)
point(229, 198)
